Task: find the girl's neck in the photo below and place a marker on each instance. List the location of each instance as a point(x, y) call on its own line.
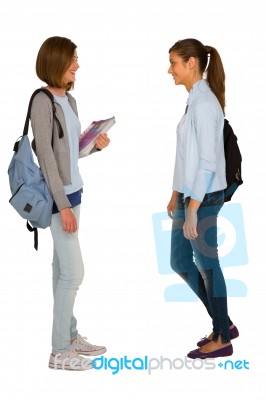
point(195, 78)
point(61, 92)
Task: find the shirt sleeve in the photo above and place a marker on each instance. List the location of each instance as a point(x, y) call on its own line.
point(206, 136)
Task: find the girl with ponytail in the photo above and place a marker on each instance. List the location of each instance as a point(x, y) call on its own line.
point(198, 188)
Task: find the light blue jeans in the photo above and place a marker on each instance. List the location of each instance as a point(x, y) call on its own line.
point(68, 273)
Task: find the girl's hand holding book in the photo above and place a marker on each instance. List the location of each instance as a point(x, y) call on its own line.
point(102, 141)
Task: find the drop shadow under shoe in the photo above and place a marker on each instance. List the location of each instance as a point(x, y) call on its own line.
point(81, 346)
point(234, 333)
point(223, 352)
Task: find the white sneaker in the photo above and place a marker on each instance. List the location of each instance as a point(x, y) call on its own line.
point(70, 360)
point(81, 346)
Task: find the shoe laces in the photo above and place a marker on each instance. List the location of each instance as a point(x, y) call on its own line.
point(83, 340)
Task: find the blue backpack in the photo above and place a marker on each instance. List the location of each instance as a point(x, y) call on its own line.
point(31, 197)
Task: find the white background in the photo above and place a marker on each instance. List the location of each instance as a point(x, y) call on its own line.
point(123, 53)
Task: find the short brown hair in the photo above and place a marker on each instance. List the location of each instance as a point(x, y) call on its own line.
point(53, 59)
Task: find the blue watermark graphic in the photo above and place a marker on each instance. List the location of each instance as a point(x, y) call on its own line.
point(126, 364)
point(238, 364)
point(150, 364)
point(232, 251)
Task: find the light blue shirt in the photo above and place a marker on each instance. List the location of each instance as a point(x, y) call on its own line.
point(73, 128)
point(200, 161)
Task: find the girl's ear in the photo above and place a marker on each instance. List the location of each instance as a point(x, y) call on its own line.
point(192, 62)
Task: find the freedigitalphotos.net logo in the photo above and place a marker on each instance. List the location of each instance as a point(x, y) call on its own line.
point(146, 364)
point(232, 251)
point(149, 365)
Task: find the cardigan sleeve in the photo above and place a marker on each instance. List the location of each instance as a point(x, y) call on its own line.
point(42, 127)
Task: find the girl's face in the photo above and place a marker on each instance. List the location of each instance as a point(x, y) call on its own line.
point(179, 69)
point(70, 74)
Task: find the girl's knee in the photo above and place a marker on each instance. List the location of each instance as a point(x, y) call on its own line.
point(177, 265)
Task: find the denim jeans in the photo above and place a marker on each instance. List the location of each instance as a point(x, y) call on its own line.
point(68, 273)
point(197, 262)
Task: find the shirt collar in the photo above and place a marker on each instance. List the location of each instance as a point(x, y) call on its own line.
point(199, 87)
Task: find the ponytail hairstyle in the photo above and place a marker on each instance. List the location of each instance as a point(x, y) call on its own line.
point(215, 75)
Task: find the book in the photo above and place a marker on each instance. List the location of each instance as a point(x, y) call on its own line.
point(88, 137)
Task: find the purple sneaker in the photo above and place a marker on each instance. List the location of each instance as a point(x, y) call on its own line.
point(233, 335)
point(223, 352)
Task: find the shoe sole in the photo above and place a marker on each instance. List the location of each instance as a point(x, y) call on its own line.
point(68, 368)
point(204, 358)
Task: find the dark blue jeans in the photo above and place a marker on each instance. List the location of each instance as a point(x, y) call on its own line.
point(197, 262)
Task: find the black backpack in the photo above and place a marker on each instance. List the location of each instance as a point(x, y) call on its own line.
point(233, 160)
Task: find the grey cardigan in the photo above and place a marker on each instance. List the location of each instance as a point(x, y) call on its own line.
point(54, 161)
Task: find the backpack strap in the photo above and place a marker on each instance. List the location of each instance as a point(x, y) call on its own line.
point(35, 230)
point(51, 97)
